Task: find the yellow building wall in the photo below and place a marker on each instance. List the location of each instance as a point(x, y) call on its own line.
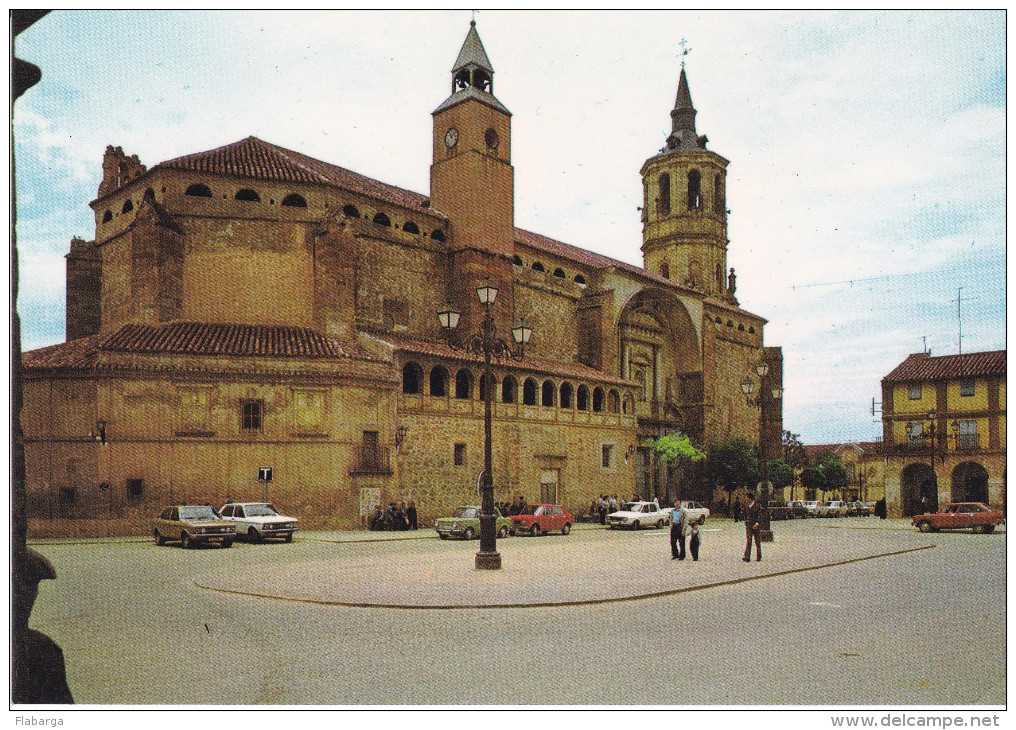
point(902, 404)
point(976, 402)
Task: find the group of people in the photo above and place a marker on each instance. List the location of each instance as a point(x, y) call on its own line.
point(605, 505)
point(511, 507)
point(398, 516)
point(681, 529)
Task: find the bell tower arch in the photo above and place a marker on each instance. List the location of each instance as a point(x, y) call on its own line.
point(684, 211)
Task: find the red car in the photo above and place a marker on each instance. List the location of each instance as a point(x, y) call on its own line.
point(958, 516)
point(537, 519)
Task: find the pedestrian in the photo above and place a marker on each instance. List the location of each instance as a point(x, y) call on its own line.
point(612, 504)
point(752, 514)
point(678, 521)
point(603, 509)
point(411, 515)
point(38, 673)
point(737, 509)
point(693, 542)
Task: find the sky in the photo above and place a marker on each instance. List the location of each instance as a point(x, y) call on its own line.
point(867, 150)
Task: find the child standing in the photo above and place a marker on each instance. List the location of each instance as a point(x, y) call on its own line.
point(693, 546)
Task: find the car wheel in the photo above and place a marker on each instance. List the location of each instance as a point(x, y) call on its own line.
point(227, 543)
point(924, 526)
point(987, 529)
point(443, 537)
point(659, 525)
point(468, 535)
point(503, 532)
point(253, 535)
point(185, 541)
point(534, 530)
point(636, 525)
point(289, 537)
point(566, 529)
point(159, 539)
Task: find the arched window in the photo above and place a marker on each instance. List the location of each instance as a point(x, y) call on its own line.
point(127, 207)
point(665, 270)
point(559, 273)
point(613, 401)
point(580, 280)
point(438, 235)
point(107, 216)
point(294, 200)
point(438, 381)
point(412, 378)
point(411, 227)
point(381, 219)
point(463, 384)
point(538, 267)
point(694, 190)
point(664, 204)
point(486, 380)
point(517, 260)
point(597, 400)
point(547, 394)
point(350, 211)
point(197, 190)
point(628, 404)
point(582, 398)
point(149, 194)
point(529, 392)
point(719, 201)
point(249, 195)
point(509, 389)
point(566, 395)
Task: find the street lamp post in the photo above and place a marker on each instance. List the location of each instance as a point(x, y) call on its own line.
point(931, 443)
point(490, 346)
point(747, 386)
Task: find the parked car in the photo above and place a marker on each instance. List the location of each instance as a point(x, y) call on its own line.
point(833, 508)
point(259, 521)
point(958, 516)
point(780, 511)
point(467, 524)
point(192, 525)
point(637, 515)
point(539, 519)
point(696, 512)
point(810, 507)
point(859, 508)
point(797, 508)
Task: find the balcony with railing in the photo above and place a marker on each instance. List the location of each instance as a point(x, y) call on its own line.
point(372, 461)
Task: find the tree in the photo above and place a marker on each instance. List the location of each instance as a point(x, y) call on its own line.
point(781, 474)
point(813, 477)
point(732, 464)
point(835, 473)
point(795, 455)
point(675, 449)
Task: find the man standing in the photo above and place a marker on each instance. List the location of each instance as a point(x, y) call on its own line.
point(678, 519)
point(752, 514)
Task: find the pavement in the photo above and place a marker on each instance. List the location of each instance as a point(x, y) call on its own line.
point(584, 568)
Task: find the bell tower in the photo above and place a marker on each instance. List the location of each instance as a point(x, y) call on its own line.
point(472, 182)
point(684, 211)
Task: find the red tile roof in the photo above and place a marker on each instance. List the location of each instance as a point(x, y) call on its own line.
point(188, 338)
point(537, 365)
point(260, 160)
point(922, 366)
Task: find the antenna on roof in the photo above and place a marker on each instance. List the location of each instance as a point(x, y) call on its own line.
point(924, 339)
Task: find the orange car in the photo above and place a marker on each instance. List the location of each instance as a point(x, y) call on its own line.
point(959, 516)
point(539, 519)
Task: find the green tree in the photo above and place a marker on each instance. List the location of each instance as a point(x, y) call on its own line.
point(677, 450)
point(835, 473)
point(781, 474)
point(795, 455)
point(732, 464)
point(813, 477)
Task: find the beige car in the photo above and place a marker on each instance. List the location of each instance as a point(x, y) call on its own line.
point(191, 525)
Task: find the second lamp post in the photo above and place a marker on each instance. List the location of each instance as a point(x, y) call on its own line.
point(487, 344)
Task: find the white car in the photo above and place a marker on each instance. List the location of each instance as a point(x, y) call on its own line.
point(258, 521)
point(833, 508)
point(696, 512)
point(637, 515)
point(811, 507)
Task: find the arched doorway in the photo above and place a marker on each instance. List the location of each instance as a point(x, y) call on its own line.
point(970, 483)
point(916, 482)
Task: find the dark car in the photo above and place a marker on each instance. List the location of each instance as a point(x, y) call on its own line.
point(780, 511)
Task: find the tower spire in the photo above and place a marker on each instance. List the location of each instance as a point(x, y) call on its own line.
point(682, 116)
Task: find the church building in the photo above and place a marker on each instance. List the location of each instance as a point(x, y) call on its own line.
point(251, 306)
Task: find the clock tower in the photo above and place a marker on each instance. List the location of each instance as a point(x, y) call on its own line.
point(472, 180)
point(684, 211)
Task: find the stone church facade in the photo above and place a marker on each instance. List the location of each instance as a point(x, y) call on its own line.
point(252, 306)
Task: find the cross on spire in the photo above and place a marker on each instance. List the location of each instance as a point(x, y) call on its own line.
point(684, 50)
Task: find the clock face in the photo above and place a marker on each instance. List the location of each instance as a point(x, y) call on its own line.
point(451, 137)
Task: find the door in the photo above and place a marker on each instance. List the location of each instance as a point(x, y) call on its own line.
point(548, 485)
